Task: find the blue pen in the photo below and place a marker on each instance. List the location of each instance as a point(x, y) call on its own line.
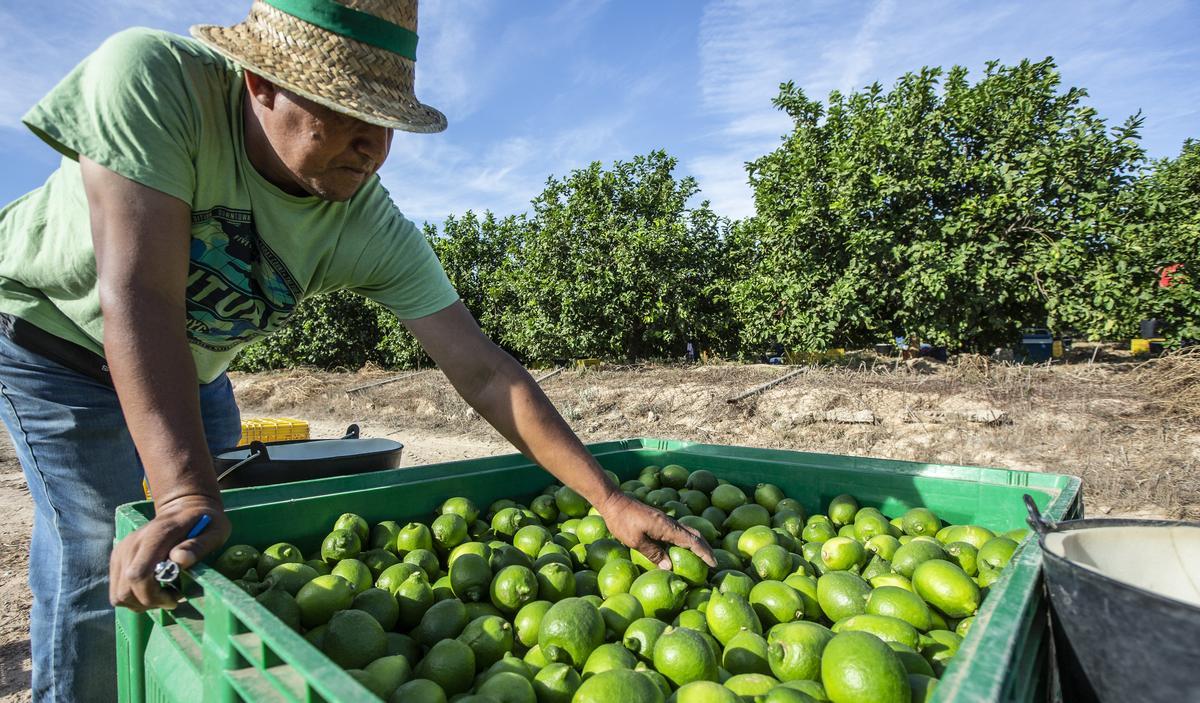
point(167, 572)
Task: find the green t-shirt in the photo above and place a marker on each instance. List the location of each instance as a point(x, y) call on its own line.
point(166, 112)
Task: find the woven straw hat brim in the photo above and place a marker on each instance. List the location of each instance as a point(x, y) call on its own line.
point(340, 73)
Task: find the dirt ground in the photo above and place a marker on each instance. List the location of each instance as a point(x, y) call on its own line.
point(1130, 431)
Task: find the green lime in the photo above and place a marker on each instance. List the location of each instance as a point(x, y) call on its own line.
point(480, 608)
point(618, 685)
point(842, 509)
point(414, 596)
point(570, 630)
point(462, 507)
point(744, 517)
point(531, 539)
point(649, 476)
point(702, 480)
point(939, 647)
point(673, 476)
point(316, 636)
point(489, 637)
point(750, 686)
point(848, 531)
point(974, 535)
point(383, 535)
point(544, 507)
point(619, 611)
point(728, 497)
point(965, 555)
point(696, 501)
point(683, 656)
point(555, 582)
point(714, 515)
point(909, 556)
point(727, 560)
point(886, 628)
point(806, 586)
point(997, 552)
point(470, 577)
point(1018, 535)
point(661, 593)
point(702, 526)
point(450, 664)
point(768, 495)
point(842, 594)
point(282, 605)
point(393, 576)
point(857, 666)
point(775, 602)
point(556, 683)
point(418, 691)
point(508, 687)
point(812, 689)
point(900, 603)
point(788, 521)
point(746, 653)
point(390, 672)
point(320, 598)
point(371, 683)
point(339, 545)
point(412, 536)
point(641, 636)
point(691, 619)
point(604, 550)
point(378, 560)
point(754, 539)
point(883, 545)
point(528, 620)
point(403, 645)
point(794, 650)
point(292, 576)
point(586, 583)
point(772, 563)
point(892, 580)
point(354, 523)
point(734, 582)
point(379, 604)
point(964, 626)
point(449, 530)
point(841, 553)
point(570, 503)
point(273, 556)
point(514, 586)
point(868, 523)
point(687, 566)
point(511, 664)
point(947, 588)
point(607, 657)
point(922, 687)
point(818, 532)
point(444, 620)
point(705, 692)
point(504, 555)
point(912, 660)
point(616, 576)
point(730, 539)
point(354, 639)
point(728, 614)
point(697, 598)
point(920, 521)
point(426, 561)
point(319, 566)
point(476, 548)
point(783, 694)
point(877, 566)
point(235, 561)
point(987, 577)
point(355, 572)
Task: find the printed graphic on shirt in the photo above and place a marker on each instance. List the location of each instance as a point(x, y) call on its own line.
point(237, 289)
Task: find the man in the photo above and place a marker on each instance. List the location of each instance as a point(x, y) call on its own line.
point(206, 188)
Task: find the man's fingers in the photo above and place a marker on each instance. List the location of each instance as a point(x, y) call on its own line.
point(656, 554)
point(190, 551)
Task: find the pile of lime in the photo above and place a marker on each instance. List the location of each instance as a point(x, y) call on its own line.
point(539, 603)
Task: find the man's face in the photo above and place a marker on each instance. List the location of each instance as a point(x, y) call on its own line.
point(325, 153)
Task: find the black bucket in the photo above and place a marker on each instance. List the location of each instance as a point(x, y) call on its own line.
point(269, 463)
point(1124, 607)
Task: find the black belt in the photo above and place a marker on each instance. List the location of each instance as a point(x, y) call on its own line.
point(34, 339)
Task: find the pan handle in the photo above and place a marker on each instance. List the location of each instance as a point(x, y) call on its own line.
point(1039, 524)
point(351, 432)
point(258, 450)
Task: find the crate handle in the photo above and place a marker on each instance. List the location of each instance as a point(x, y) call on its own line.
point(1040, 525)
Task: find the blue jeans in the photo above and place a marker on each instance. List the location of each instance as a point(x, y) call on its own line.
point(80, 463)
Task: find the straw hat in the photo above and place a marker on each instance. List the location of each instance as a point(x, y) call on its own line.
point(353, 56)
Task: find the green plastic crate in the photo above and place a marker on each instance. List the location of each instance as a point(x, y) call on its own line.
point(221, 645)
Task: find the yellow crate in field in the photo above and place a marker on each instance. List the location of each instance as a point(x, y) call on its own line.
point(587, 363)
point(272, 429)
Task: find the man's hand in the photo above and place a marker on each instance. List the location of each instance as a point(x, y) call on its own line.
point(650, 531)
point(131, 569)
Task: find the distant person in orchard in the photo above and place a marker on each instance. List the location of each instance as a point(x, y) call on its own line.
point(207, 186)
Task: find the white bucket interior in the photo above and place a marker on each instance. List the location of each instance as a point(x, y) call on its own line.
point(1162, 560)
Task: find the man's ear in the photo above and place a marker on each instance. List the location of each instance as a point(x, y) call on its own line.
point(262, 90)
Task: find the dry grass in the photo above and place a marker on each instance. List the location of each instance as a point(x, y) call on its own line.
point(1097, 421)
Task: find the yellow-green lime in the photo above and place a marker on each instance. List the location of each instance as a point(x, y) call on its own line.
point(477, 548)
point(691, 619)
point(554, 582)
point(508, 688)
point(842, 509)
point(909, 556)
point(939, 647)
point(383, 535)
point(641, 636)
point(426, 561)
point(947, 588)
point(412, 536)
point(812, 689)
point(857, 666)
point(393, 576)
point(528, 621)
point(900, 603)
point(687, 566)
point(920, 521)
point(683, 656)
point(750, 686)
point(380, 605)
point(570, 630)
point(530, 539)
point(728, 614)
point(868, 523)
point(377, 560)
point(842, 594)
point(273, 556)
point(602, 551)
point(535, 658)
point(751, 540)
point(556, 683)
point(705, 692)
point(734, 582)
point(746, 653)
point(450, 664)
point(964, 626)
point(355, 572)
point(886, 628)
point(768, 495)
point(818, 532)
point(619, 611)
point(235, 561)
point(618, 685)
point(728, 497)
point(570, 503)
point(514, 586)
point(414, 597)
point(354, 639)
point(997, 552)
point(892, 580)
point(470, 577)
point(912, 660)
point(987, 577)
point(702, 480)
point(974, 535)
point(673, 476)
point(965, 555)
point(449, 530)
point(463, 507)
point(775, 602)
point(321, 597)
point(841, 553)
point(794, 650)
point(806, 586)
point(660, 592)
point(354, 523)
point(444, 620)
point(616, 576)
point(847, 531)
point(390, 672)
point(590, 529)
point(291, 576)
point(607, 657)
point(772, 563)
point(489, 637)
point(783, 694)
point(746, 516)
point(883, 545)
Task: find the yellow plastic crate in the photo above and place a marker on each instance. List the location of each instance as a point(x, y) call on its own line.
point(1142, 346)
point(587, 363)
point(272, 429)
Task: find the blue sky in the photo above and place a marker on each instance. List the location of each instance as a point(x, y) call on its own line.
point(539, 88)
